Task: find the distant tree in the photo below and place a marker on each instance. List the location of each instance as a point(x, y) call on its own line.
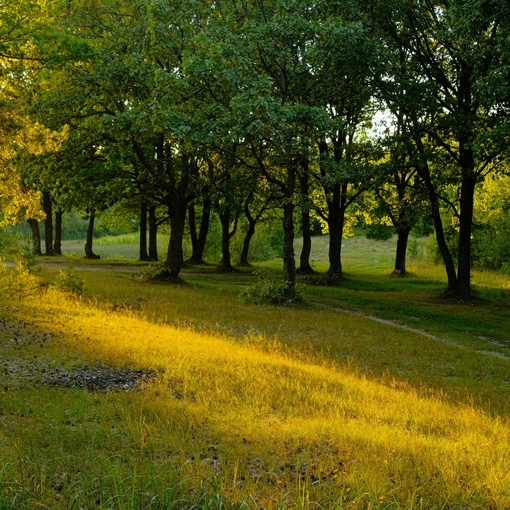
point(398, 197)
point(346, 59)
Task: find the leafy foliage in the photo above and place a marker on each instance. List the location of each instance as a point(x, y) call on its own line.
point(153, 271)
point(268, 291)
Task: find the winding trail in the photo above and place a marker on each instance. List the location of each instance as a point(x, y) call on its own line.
point(393, 324)
point(420, 332)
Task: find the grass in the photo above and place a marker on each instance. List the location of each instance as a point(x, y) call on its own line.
point(261, 407)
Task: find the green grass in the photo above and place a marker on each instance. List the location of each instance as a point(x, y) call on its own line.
point(315, 406)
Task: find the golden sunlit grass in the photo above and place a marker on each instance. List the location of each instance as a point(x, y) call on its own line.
point(311, 407)
point(241, 420)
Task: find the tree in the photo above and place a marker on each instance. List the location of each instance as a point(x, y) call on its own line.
point(398, 196)
point(346, 58)
point(279, 120)
point(20, 25)
point(456, 55)
point(137, 95)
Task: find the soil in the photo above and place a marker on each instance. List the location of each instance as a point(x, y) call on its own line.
point(24, 363)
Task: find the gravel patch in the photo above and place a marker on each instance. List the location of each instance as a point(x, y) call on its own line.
point(98, 378)
point(24, 362)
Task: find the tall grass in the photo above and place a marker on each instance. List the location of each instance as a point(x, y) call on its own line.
point(245, 421)
point(314, 407)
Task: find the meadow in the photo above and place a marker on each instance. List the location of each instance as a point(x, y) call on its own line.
point(374, 393)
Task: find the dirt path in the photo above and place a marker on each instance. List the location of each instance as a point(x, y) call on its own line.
point(76, 265)
point(81, 266)
point(420, 332)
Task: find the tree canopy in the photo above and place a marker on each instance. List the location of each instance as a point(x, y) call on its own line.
point(216, 104)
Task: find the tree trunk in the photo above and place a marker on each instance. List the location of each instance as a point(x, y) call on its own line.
point(153, 234)
point(143, 255)
point(226, 235)
point(400, 256)
point(336, 222)
point(243, 261)
point(89, 254)
point(48, 223)
point(174, 259)
point(335, 246)
point(177, 206)
point(304, 258)
point(225, 262)
point(57, 244)
point(469, 177)
point(36, 236)
point(289, 261)
point(336, 200)
point(193, 233)
point(424, 172)
point(463, 290)
point(204, 229)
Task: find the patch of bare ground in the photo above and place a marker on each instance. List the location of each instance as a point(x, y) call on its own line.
point(24, 363)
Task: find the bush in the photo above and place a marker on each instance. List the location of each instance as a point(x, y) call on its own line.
point(268, 291)
point(69, 281)
point(153, 271)
point(9, 240)
point(505, 268)
point(18, 283)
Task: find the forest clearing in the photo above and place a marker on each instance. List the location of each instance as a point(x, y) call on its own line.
point(255, 255)
point(149, 395)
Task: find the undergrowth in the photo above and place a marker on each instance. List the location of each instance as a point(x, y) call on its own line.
point(271, 291)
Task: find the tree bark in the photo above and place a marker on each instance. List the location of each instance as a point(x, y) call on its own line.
point(451, 274)
point(304, 258)
point(174, 259)
point(48, 223)
point(226, 235)
point(89, 254)
point(205, 221)
point(199, 238)
point(400, 256)
point(177, 206)
point(243, 261)
point(193, 233)
point(57, 244)
point(289, 261)
point(36, 236)
point(336, 221)
point(143, 255)
point(336, 200)
point(467, 193)
point(225, 262)
point(153, 234)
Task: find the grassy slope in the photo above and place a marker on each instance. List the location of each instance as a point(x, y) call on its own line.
point(274, 404)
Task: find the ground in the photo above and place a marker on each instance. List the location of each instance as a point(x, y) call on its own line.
point(19, 371)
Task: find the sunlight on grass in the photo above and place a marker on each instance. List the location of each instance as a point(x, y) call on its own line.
point(266, 422)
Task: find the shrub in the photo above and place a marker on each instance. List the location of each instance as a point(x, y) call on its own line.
point(153, 271)
point(268, 291)
point(9, 240)
point(18, 283)
point(69, 281)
